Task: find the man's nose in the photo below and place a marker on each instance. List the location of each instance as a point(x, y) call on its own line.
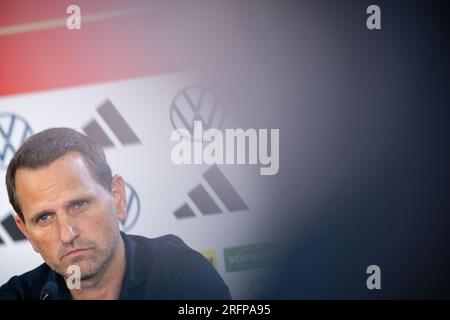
point(67, 230)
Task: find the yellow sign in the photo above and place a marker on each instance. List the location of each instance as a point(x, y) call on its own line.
point(211, 256)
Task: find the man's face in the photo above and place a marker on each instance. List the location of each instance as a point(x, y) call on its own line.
point(69, 218)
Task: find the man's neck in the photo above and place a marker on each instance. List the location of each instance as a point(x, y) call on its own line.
point(109, 285)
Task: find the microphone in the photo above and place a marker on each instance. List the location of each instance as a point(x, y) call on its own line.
point(49, 291)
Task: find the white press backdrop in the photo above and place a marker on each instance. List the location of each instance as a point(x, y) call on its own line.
point(161, 186)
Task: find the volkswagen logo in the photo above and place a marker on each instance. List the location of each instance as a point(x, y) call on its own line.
point(195, 103)
point(14, 130)
point(133, 209)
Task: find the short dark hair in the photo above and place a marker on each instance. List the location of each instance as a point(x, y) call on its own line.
point(41, 149)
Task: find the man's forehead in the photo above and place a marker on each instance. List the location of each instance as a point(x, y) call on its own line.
point(64, 180)
point(69, 165)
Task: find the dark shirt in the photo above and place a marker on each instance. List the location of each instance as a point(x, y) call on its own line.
point(156, 268)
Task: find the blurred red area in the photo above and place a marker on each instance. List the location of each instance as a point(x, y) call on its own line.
point(53, 57)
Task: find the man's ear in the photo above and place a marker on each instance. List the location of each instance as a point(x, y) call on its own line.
point(20, 223)
point(120, 196)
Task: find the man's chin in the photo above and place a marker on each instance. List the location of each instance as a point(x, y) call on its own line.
point(88, 271)
point(84, 268)
point(88, 277)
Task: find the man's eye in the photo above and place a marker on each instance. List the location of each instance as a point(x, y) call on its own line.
point(80, 204)
point(43, 218)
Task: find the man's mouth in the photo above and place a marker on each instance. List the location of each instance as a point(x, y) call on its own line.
point(75, 252)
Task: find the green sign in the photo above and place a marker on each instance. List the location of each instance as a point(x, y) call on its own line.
point(250, 257)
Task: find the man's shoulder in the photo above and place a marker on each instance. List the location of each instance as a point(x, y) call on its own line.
point(177, 271)
point(163, 252)
point(25, 286)
point(168, 244)
point(168, 239)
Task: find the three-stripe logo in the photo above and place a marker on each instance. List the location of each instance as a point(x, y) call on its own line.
point(9, 225)
point(203, 200)
point(116, 123)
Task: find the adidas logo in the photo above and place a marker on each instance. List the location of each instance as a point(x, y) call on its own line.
point(116, 124)
point(205, 203)
point(9, 225)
